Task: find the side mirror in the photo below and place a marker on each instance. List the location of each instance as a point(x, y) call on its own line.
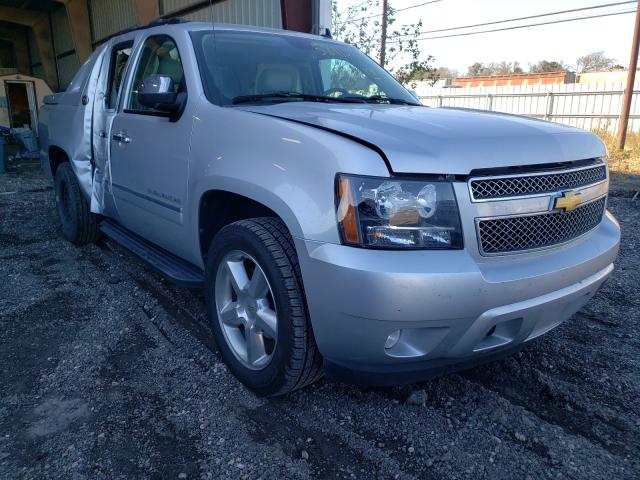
point(159, 92)
point(415, 94)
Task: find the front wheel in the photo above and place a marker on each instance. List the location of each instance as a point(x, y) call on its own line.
point(79, 225)
point(256, 304)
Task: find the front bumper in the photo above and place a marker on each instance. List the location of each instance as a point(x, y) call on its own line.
point(451, 308)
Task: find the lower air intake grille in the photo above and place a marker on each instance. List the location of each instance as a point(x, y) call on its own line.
point(513, 234)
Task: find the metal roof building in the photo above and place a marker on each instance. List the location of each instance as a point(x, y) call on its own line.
point(50, 39)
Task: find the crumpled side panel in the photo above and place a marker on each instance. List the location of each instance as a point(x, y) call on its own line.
point(96, 123)
point(80, 150)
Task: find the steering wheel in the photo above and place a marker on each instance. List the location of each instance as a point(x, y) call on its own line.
point(328, 93)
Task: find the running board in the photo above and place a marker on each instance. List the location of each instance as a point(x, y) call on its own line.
point(177, 270)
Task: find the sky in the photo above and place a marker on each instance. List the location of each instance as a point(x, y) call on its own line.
point(564, 42)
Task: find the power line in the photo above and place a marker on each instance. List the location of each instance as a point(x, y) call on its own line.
point(415, 6)
point(573, 10)
point(551, 22)
point(395, 10)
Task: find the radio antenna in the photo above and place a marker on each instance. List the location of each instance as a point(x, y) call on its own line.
point(211, 14)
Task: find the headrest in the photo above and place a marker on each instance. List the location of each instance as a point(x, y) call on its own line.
point(276, 79)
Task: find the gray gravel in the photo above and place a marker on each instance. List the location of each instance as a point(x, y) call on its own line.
point(108, 371)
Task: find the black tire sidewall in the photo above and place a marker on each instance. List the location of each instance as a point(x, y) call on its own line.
point(273, 376)
point(67, 211)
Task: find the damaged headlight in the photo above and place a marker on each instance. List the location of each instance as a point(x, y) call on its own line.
point(397, 214)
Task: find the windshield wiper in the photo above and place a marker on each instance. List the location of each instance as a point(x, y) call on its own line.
point(293, 95)
point(383, 99)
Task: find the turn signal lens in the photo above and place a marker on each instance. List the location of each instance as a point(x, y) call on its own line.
point(347, 216)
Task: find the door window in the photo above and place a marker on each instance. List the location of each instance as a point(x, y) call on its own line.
point(119, 60)
point(159, 56)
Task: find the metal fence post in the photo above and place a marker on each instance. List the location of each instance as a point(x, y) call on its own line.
point(549, 107)
point(489, 101)
point(439, 100)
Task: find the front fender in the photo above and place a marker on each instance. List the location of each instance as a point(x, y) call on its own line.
point(288, 167)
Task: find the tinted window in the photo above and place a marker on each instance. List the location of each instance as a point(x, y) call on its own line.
point(159, 56)
point(235, 64)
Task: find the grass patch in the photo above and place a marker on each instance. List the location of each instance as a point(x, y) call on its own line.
point(623, 164)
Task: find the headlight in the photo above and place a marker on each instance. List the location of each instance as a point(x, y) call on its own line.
point(396, 214)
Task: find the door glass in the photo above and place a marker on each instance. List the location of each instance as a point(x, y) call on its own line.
point(159, 56)
point(119, 60)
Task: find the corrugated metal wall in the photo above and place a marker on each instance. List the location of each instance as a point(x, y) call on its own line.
point(62, 41)
point(169, 6)
point(37, 71)
point(63, 48)
point(110, 16)
point(67, 68)
point(264, 13)
point(34, 53)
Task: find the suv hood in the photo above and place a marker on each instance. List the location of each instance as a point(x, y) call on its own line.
point(444, 140)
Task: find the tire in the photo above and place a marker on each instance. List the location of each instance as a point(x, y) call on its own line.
point(79, 225)
point(293, 361)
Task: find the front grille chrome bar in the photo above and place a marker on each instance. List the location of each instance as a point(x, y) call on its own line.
point(507, 187)
point(525, 233)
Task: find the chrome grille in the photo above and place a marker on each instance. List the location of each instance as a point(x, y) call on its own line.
point(505, 187)
point(530, 232)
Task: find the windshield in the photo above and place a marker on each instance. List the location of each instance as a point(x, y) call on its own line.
point(246, 67)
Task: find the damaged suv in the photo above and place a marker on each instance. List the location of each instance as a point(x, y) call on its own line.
point(335, 224)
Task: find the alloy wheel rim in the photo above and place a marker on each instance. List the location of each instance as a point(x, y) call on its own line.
point(246, 309)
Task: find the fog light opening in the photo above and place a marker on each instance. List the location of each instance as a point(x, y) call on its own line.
point(392, 340)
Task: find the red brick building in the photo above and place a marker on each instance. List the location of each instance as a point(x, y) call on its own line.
point(547, 78)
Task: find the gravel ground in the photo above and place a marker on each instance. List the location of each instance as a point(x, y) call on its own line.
point(108, 371)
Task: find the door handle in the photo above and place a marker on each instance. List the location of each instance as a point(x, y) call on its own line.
point(121, 137)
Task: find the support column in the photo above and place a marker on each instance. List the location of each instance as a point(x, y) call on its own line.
point(147, 11)
point(297, 15)
point(42, 32)
point(78, 14)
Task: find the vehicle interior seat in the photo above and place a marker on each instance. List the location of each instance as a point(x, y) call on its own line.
point(171, 68)
point(277, 78)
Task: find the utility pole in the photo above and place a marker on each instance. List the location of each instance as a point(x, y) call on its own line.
point(383, 40)
point(623, 123)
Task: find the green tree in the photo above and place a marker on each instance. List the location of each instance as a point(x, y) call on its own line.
point(594, 61)
point(361, 25)
point(494, 68)
point(547, 66)
point(475, 70)
point(446, 72)
point(417, 70)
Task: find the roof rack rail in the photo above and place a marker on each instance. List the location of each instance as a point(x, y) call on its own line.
point(155, 23)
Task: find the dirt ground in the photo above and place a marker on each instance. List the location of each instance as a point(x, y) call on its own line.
point(108, 371)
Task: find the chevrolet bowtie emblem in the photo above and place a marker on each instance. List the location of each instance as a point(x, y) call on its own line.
point(567, 202)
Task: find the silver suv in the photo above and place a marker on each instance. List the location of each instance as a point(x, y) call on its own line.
point(335, 224)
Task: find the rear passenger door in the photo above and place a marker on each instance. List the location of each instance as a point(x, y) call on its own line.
point(150, 153)
point(108, 90)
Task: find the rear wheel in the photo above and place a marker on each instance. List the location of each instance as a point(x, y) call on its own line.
point(79, 225)
point(255, 300)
